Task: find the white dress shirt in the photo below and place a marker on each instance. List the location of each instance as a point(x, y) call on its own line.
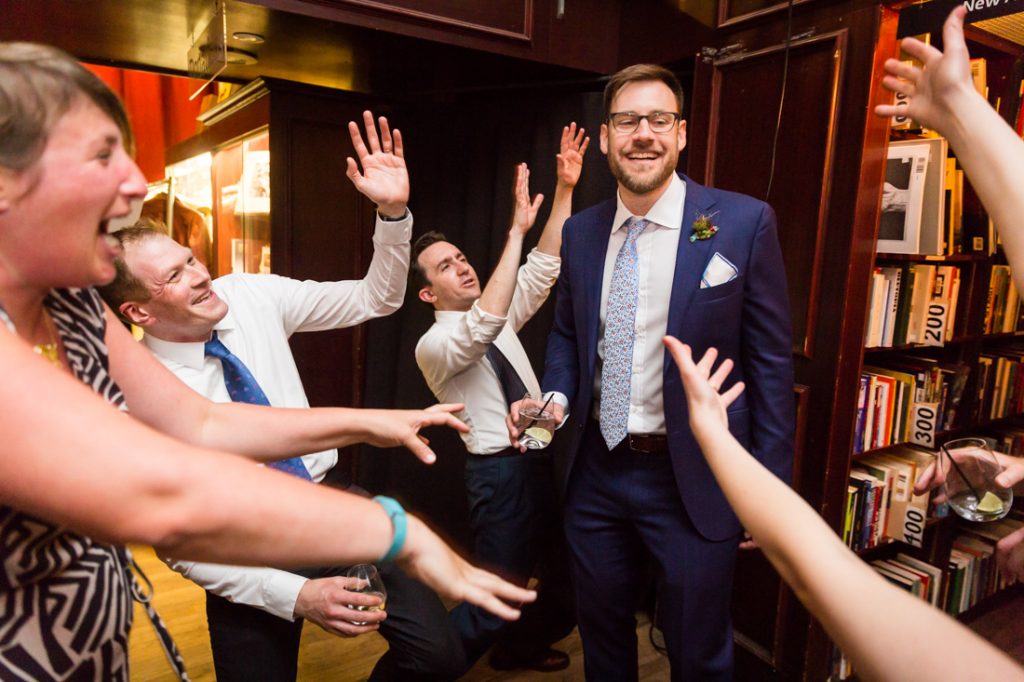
point(656, 249)
point(263, 311)
point(452, 355)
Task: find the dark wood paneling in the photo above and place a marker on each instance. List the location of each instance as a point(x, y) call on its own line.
point(742, 160)
point(580, 38)
point(512, 19)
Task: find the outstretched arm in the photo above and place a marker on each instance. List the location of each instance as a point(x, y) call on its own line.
point(77, 462)
point(570, 164)
point(888, 634)
point(263, 433)
point(941, 96)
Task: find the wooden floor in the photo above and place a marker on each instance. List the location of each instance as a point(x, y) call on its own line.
point(326, 657)
point(322, 656)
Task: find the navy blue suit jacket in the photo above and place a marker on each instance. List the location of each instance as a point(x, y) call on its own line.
point(746, 319)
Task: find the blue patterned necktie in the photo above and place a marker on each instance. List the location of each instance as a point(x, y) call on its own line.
point(620, 316)
point(243, 388)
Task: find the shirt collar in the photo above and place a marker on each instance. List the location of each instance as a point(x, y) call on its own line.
point(449, 316)
point(666, 212)
point(189, 353)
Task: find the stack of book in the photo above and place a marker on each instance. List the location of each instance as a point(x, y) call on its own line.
point(880, 503)
point(887, 396)
point(903, 309)
point(973, 574)
point(1002, 308)
point(1008, 439)
point(1000, 385)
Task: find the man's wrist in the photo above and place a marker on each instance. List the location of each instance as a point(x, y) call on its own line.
point(392, 212)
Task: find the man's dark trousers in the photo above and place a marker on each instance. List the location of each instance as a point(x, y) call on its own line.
point(622, 507)
point(517, 534)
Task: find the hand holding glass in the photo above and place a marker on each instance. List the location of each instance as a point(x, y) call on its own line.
point(368, 581)
point(970, 468)
point(536, 422)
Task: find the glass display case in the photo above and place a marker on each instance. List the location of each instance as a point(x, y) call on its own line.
point(230, 187)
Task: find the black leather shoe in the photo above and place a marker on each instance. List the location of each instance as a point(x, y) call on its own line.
point(548, 661)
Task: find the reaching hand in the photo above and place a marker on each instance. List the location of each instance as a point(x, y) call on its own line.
point(707, 406)
point(932, 92)
point(524, 211)
point(570, 156)
point(391, 428)
point(426, 558)
point(327, 602)
point(385, 179)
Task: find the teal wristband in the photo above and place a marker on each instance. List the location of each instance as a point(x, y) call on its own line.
point(399, 524)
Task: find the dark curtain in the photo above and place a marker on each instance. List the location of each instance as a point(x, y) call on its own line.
point(461, 154)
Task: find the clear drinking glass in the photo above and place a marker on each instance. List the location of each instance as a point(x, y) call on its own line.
point(536, 422)
point(970, 469)
point(367, 581)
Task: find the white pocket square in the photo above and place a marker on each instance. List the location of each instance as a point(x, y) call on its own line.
point(718, 271)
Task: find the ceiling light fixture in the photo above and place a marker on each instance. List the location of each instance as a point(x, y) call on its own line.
point(248, 37)
point(238, 57)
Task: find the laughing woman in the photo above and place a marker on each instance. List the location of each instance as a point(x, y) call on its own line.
point(91, 461)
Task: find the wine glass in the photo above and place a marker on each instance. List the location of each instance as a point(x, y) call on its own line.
point(970, 469)
point(536, 421)
point(368, 581)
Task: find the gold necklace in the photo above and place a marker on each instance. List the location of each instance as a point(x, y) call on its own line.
point(49, 351)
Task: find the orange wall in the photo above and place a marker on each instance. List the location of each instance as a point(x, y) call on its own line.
point(158, 109)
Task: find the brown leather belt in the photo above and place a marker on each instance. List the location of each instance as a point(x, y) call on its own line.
point(648, 443)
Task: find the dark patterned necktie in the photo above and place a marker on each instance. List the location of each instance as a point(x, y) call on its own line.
point(243, 388)
point(511, 383)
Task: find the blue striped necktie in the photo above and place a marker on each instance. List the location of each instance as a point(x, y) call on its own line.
point(243, 388)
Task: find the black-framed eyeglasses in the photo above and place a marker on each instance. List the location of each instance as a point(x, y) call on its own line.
point(628, 121)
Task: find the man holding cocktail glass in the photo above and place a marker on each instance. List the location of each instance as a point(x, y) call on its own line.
point(472, 351)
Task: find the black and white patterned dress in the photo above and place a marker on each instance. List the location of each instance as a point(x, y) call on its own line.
point(65, 600)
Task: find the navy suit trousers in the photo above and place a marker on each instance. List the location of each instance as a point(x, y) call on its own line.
point(621, 508)
point(518, 535)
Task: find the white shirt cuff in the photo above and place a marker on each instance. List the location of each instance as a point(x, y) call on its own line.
point(559, 399)
point(393, 231)
point(281, 592)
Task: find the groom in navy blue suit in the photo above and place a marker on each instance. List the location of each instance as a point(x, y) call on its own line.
point(667, 256)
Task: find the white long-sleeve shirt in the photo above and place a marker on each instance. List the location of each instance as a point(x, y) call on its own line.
point(263, 311)
point(452, 355)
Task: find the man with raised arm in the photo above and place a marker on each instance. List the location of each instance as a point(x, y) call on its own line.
point(203, 330)
point(472, 351)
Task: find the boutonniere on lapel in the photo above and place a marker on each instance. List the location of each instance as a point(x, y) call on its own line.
point(703, 228)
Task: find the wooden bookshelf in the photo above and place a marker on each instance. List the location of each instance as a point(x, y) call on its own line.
point(827, 172)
